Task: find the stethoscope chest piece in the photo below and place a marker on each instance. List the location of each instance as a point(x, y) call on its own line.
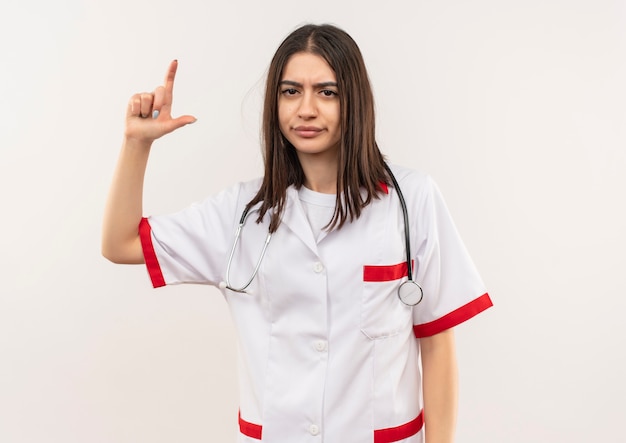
point(410, 293)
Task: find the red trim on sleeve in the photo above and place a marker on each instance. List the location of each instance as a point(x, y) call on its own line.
point(152, 263)
point(401, 432)
point(250, 429)
point(378, 273)
point(453, 318)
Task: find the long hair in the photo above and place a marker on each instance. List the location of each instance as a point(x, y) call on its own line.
point(360, 171)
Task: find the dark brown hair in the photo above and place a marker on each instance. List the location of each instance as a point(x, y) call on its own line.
point(360, 165)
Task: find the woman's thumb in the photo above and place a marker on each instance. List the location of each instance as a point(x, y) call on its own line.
point(181, 121)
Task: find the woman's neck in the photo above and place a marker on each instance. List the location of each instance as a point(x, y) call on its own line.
point(320, 173)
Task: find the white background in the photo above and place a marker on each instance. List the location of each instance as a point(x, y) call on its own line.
point(516, 108)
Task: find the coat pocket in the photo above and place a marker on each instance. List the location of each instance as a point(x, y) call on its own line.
point(382, 313)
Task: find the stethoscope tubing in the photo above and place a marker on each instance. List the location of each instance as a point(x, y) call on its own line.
point(410, 292)
point(405, 215)
point(243, 288)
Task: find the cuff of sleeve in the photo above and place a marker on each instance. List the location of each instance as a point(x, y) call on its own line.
point(152, 263)
point(453, 318)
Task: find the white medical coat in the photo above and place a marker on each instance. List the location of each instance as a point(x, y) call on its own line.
point(328, 353)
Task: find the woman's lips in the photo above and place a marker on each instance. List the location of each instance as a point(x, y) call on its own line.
point(307, 131)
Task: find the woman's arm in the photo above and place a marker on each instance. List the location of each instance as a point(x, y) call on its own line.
point(440, 386)
point(148, 117)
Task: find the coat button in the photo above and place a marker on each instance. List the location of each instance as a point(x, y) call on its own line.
point(314, 430)
point(321, 345)
point(318, 267)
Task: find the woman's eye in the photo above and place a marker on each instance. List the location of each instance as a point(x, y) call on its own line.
point(328, 93)
point(290, 91)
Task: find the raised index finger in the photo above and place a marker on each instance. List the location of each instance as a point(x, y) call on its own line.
point(169, 84)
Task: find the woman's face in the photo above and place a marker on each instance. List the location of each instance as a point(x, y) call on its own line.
point(308, 106)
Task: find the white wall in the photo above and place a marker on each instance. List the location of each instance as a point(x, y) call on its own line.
point(516, 108)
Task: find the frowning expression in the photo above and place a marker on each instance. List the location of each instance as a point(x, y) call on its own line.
point(309, 106)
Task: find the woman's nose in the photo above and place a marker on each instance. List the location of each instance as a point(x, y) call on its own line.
point(307, 108)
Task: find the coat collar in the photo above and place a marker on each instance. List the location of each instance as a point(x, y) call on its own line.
point(295, 219)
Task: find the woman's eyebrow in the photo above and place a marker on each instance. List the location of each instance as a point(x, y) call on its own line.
point(316, 85)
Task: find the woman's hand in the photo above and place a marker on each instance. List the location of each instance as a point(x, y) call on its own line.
point(149, 114)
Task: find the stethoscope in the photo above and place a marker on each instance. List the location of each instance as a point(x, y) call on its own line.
point(409, 292)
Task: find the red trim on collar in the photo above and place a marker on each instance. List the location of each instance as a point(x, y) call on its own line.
point(384, 187)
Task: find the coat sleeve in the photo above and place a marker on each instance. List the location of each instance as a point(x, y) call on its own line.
point(453, 290)
point(191, 246)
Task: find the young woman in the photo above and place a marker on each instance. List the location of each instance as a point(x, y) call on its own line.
point(335, 345)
